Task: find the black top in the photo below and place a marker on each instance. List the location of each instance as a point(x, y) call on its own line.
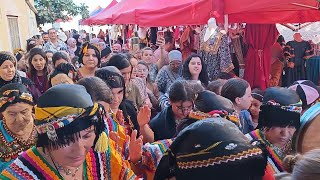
point(164, 125)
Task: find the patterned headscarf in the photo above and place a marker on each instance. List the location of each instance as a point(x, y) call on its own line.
point(62, 112)
point(4, 55)
point(14, 93)
point(212, 147)
point(273, 114)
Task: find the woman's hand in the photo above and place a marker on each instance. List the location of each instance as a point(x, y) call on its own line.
point(120, 117)
point(135, 147)
point(144, 115)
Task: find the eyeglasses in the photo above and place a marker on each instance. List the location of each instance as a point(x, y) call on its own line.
point(142, 70)
point(185, 109)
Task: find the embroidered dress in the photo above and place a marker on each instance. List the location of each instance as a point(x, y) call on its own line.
point(216, 53)
point(11, 147)
point(32, 165)
point(275, 154)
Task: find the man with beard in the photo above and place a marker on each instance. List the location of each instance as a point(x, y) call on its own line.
point(17, 132)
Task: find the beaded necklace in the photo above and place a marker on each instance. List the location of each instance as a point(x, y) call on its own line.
point(10, 151)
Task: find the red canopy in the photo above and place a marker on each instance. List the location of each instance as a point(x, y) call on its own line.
point(106, 16)
point(168, 12)
point(90, 20)
point(272, 11)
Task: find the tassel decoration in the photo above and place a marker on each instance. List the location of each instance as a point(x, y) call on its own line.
point(102, 143)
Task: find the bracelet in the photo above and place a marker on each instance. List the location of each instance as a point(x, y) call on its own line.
point(135, 164)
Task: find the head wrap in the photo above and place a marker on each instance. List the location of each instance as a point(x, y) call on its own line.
point(307, 91)
point(4, 55)
point(70, 40)
point(224, 153)
point(105, 52)
point(211, 105)
point(257, 94)
point(281, 95)
point(175, 55)
point(84, 50)
point(272, 114)
point(13, 93)
point(208, 101)
point(65, 110)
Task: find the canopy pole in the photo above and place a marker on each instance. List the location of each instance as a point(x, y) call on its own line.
point(226, 22)
point(109, 34)
point(307, 6)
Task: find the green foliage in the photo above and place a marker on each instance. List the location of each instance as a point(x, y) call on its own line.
point(51, 10)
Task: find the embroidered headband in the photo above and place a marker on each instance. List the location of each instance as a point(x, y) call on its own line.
point(10, 97)
point(272, 114)
point(52, 118)
point(215, 114)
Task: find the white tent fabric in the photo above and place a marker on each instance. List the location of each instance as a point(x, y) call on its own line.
point(310, 32)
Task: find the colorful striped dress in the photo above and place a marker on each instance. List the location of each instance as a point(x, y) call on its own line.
point(151, 156)
point(32, 165)
point(274, 158)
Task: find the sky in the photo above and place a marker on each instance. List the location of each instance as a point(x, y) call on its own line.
point(92, 4)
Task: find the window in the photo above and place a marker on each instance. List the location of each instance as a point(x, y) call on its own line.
point(14, 32)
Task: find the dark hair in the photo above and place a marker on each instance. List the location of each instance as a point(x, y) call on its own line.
point(112, 79)
point(48, 51)
point(168, 38)
point(31, 45)
point(120, 61)
point(32, 70)
point(257, 94)
point(75, 59)
point(88, 45)
point(145, 64)
point(216, 86)
point(59, 55)
point(64, 68)
point(115, 80)
point(181, 90)
point(97, 88)
point(234, 88)
point(203, 76)
point(76, 37)
point(44, 33)
point(225, 75)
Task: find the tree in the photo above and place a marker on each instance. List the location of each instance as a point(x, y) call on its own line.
point(51, 10)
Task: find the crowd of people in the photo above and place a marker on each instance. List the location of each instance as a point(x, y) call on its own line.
point(76, 109)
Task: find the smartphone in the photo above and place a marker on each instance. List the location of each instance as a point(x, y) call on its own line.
point(160, 36)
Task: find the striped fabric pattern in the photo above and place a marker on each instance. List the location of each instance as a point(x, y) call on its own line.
point(273, 158)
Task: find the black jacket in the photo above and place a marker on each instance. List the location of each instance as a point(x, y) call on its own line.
point(163, 124)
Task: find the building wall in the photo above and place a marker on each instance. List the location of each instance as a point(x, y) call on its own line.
point(26, 19)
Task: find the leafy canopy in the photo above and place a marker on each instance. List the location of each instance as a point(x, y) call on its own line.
point(51, 10)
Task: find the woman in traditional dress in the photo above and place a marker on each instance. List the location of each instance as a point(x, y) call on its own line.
point(123, 110)
point(17, 130)
point(279, 118)
point(72, 143)
point(38, 71)
point(90, 59)
point(132, 93)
